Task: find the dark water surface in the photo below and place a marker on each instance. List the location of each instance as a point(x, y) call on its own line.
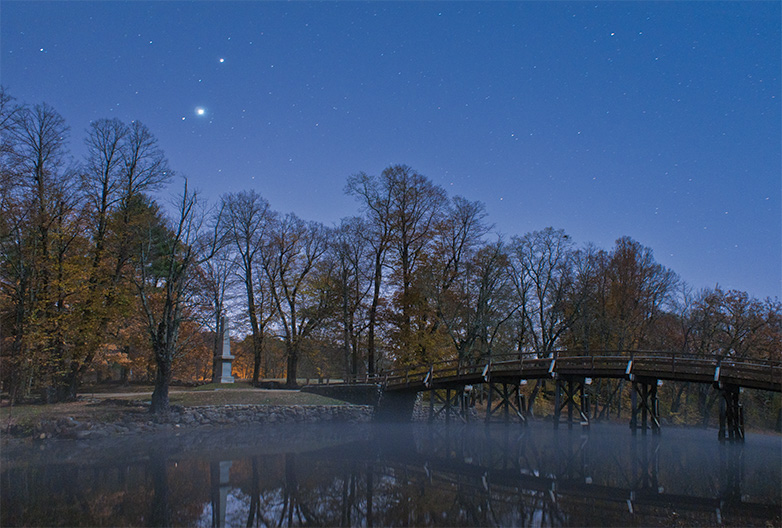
point(402, 475)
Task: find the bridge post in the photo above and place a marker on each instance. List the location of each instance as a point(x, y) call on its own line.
point(510, 398)
point(447, 406)
point(649, 406)
point(571, 387)
point(456, 401)
point(584, 404)
point(489, 403)
point(731, 414)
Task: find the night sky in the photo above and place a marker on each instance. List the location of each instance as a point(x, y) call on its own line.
point(659, 120)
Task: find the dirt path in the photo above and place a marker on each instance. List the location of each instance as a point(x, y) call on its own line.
point(109, 395)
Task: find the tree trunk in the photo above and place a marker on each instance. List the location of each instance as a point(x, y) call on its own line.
point(533, 396)
point(677, 399)
point(256, 331)
point(708, 403)
point(346, 327)
point(619, 402)
point(354, 352)
point(257, 357)
point(293, 362)
point(72, 383)
point(160, 403)
point(373, 314)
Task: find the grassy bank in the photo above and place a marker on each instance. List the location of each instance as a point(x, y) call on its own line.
point(110, 406)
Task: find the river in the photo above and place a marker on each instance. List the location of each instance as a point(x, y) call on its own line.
point(396, 475)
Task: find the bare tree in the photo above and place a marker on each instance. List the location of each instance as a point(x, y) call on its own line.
point(247, 222)
point(354, 256)
point(376, 204)
point(299, 291)
point(8, 111)
point(145, 166)
point(449, 271)
point(216, 278)
point(587, 327)
point(542, 265)
point(478, 301)
point(101, 175)
point(165, 266)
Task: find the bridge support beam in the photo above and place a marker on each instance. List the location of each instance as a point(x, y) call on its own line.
point(731, 414)
point(565, 392)
point(506, 402)
point(455, 402)
point(648, 407)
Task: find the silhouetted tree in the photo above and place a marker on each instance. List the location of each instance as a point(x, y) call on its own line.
point(165, 265)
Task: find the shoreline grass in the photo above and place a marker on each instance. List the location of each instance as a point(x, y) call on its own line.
point(111, 406)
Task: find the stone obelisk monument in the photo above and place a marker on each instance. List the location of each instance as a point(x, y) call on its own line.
point(225, 355)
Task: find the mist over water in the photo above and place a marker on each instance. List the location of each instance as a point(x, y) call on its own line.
point(396, 475)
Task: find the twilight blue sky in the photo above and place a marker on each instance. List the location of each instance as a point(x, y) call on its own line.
point(657, 120)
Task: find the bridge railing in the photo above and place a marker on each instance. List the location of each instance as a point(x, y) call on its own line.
point(666, 362)
point(596, 361)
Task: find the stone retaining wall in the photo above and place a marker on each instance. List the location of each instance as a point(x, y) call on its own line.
point(208, 416)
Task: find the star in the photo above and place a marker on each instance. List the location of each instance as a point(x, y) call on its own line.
point(200, 111)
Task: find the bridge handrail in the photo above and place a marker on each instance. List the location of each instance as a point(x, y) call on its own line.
point(415, 373)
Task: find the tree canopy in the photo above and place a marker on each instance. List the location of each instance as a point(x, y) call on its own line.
point(99, 278)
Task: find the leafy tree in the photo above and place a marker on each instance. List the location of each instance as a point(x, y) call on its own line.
point(41, 236)
point(123, 162)
point(415, 207)
point(639, 291)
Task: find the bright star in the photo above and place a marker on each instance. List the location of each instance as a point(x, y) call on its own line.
point(222, 60)
point(200, 111)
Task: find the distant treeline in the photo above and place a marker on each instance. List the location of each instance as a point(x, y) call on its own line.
point(97, 276)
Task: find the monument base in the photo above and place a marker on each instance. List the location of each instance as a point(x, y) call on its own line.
point(225, 371)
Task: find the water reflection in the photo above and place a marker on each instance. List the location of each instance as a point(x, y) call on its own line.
point(399, 475)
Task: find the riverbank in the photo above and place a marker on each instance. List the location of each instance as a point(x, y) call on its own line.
point(112, 414)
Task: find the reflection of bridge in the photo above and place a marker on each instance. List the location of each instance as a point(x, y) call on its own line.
point(493, 473)
point(556, 469)
point(572, 372)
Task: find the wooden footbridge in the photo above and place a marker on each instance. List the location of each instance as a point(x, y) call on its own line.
point(572, 372)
